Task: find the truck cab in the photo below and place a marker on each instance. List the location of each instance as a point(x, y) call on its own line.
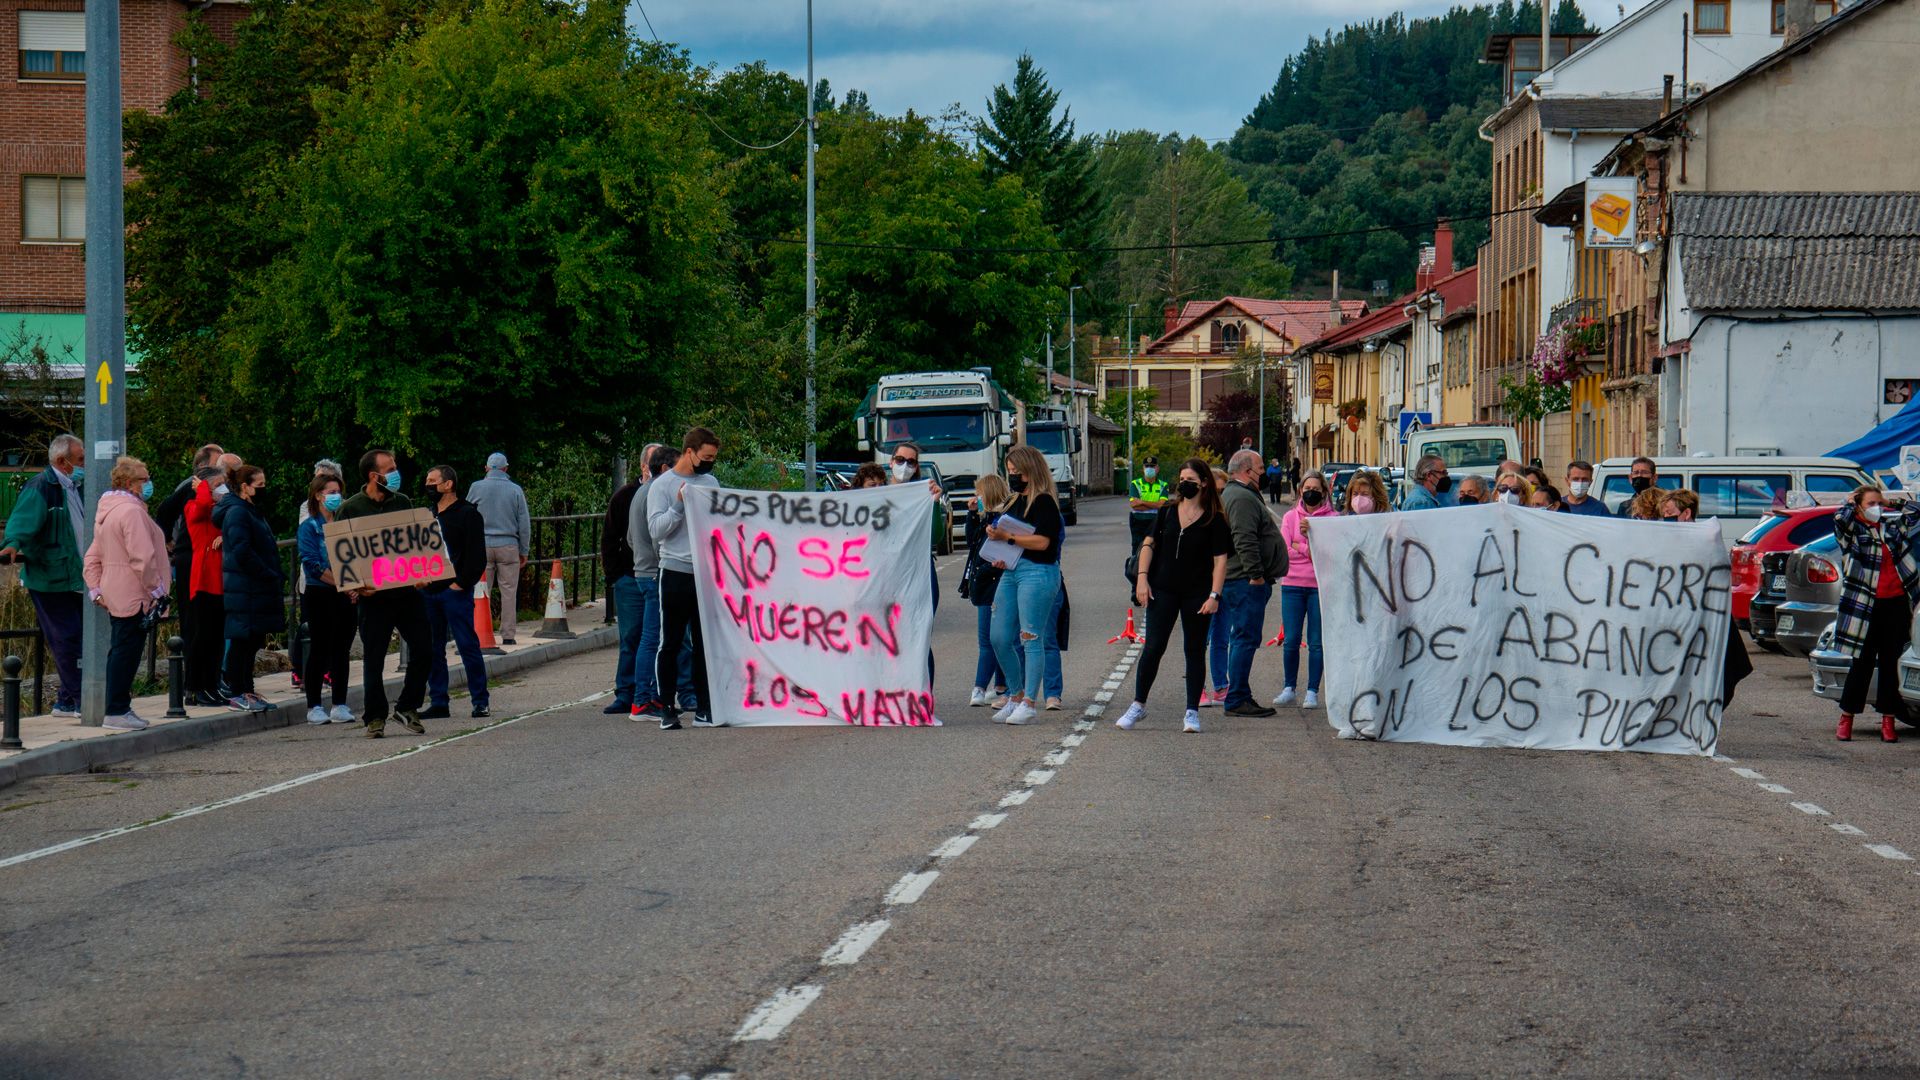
point(1059, 443)
point(962, 421)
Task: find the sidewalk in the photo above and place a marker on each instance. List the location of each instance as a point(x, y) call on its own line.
point(61, 745)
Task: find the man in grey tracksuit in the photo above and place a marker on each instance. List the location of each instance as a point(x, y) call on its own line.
point(503, 507)
point(679, 610)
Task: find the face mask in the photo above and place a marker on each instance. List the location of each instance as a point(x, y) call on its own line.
point(1362, 504)
point(393, 480)
point(79, 473)
point(1872, 514)
point(902, 473)
point(332, 502)
point(1642, 483)
point(1510, 497)
point(1017, 483)
point(1469, 500)
point(1443, 485)
point(146, 489)
point(1150, 472)
point(1189, 489)
point(1312, 497)
point(1579, 488)
point(702, 468)
point(221, 491)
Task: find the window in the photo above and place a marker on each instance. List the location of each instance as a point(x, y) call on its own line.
point(53, 45)
point(53, 209)
point(1817, 527)
point(1618, 492)
point(1710, 17)
point(1226, 337)
point(1173, 390)
point(1821, 13)
point(1212, 385)
point(1116, 379)
point(1739, 495)
point(1829, 483)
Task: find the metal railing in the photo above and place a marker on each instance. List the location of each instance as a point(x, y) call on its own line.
point(572, 540)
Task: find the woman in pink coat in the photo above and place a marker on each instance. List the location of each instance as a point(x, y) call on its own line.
point(1300, 591)
point(127, 572)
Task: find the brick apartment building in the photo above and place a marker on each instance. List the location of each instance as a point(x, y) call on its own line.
point(43, 146)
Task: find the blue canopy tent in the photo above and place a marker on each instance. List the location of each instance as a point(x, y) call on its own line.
point(1878, 451)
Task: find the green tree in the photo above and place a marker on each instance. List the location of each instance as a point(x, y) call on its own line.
point(1191, 200)
point(1020, 137)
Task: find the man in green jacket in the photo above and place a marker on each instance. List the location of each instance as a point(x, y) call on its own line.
point(43, 536)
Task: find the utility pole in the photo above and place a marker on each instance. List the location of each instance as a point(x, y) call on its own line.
point(1132, 467)
point(813, 309)
point(1260, 428)
point(106, 278)
point(1073, 380)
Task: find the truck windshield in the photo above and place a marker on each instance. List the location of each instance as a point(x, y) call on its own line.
point(1048, 440)
point(943, 429)
point(1469, 455)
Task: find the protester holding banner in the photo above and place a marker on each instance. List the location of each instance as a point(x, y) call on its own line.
point(1881, 577)
point(978, 583)
point(385, 611)
point(1579, 499)
point(1367, 495)
point(1432, 487)
point(1183, 568)
point(1471, 490)
point(1513, 489)
point(1024, 599)
point(648, 695)
point(1300, 593)
point(251, 580)
point(328, 613)
point(679, 607)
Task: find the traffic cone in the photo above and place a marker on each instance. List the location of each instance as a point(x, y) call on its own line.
point(554, 625)
point(483, 619)
point(1129, 634)
point(1279, 636)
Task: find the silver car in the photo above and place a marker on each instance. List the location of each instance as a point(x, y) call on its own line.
point(1829, 666)
point(1812, 600)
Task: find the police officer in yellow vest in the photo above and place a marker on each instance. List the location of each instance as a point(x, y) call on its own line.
point(1149, 491)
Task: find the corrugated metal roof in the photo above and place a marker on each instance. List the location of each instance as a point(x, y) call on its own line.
point(1598, 114)
point(1807, 250)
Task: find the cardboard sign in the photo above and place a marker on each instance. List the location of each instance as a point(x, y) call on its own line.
point(388, 551)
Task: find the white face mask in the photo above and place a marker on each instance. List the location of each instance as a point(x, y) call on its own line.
point(1579, 488)
point(902, 473)
point(1872, 514)
point(1510, 497)
point(221, 490)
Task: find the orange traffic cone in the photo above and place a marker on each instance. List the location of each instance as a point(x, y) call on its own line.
point(1279, 636)
point(483, 619)
point(1129, 634)
point(554, 624)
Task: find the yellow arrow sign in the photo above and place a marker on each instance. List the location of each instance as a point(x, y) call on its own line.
point(105, 379)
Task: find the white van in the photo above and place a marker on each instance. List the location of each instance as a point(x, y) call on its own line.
point(1466, 448)
point(1737, 490)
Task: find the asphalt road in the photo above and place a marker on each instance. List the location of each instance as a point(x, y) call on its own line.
point(574, 895)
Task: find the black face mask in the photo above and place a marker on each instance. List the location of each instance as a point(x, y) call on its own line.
point(1642, 483)
point(1313, 497)
point(702, 468)
point(1189, 489)
point(1017, 483)
point(1468, 500)
point(1443, 485)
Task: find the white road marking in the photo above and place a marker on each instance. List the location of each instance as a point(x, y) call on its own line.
point(1057, 758)
point(1748, 774)
point(1888, 851)
point(911, 888)
point(770, 1020)
point(285, 785)
point(1111, 684)
point(1038, 777)
point(955, 845)
point(1777, 789)
point(1723, 759)
point(1847, 830)
point(1086, 725)
point(1092, 710)
point(1809, 808)
point(1073, 740)
point(855, 942)
point(1015, 798)
point(988, 821)
point(1103, 697)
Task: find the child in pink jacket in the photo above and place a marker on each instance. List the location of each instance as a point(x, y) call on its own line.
point(1300, 591)
point(127, 572)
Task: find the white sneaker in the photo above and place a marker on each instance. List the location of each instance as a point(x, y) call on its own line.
point(1313, 700)
point(978, 699)
point(66, 714)
point(1022, 715)
point(999, 700)
point(1131, 717)
point(342, 715)
point(1007, 710)
point(1285, 699)
point(1192, 724)
point(124, 722)
point(317, 715)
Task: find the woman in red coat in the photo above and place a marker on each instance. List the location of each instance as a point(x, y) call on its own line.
point(206, 634)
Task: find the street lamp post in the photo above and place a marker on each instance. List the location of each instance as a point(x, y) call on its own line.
point(1130, 388)
point(106, 292)
point(813, 313)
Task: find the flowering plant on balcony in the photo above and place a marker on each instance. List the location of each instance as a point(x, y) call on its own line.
point(1352, 408)
point(1586, 336)
point(1553, 362)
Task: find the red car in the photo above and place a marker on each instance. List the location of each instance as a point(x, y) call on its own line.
point(1780, 530)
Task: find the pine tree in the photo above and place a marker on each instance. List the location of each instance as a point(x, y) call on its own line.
point(1020, 137)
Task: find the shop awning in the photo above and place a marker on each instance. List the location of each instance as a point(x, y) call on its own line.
point(63, 336)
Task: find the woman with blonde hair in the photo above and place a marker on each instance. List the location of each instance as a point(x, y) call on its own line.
point(1023, 601)
point(127, 573)
point(979, 582)
point(1512, 489)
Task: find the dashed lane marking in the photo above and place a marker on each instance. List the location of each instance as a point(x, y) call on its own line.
point(855, 942)
point(1810, 808)
point(1777, 789)
point(1845, 829)
point(1015, 798)
point(770, 1020)
point(956, 845)
point(1748, 774)
point(911, 887)
point(986, 821)
point(1073, 740)
point(1056, 759)
point(1038, 777)
point(1888, 851)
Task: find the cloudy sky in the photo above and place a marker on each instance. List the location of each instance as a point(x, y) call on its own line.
point(1192, 66)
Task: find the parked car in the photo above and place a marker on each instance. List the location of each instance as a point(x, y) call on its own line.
point(1736, 490)
point(1812, 596)
point(1780, 530)
point(1769, 591)
point(1829, 666)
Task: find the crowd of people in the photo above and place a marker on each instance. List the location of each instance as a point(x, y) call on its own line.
point(207, 552)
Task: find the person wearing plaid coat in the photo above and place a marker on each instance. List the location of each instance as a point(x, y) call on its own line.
point(1880, 571)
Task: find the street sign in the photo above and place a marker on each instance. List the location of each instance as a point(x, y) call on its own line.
point(1411, 422)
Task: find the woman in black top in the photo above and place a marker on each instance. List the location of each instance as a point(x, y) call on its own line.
point(1183, 567)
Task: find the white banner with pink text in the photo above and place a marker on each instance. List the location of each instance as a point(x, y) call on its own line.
point(815, 608)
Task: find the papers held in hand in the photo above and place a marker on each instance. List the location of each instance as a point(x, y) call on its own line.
point(1006, 551)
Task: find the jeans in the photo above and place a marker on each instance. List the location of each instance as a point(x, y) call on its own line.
point(680, 626)
point(450, 613)
point(1163, 611)
point(1021, 606)
point(126, 640)
point(986, 670)
point(329, 642)
point(1055, 684)
point(1299, 605)
point(630, 612)
point(1217, 653)
point(380, 615)
point(60, 621)
point(1243, 607)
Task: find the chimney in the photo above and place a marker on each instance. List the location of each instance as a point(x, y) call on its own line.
point(1666, 95)
point(1799, 17)
point(1172, 315)
point(1424, 270)
point(1442, 250)
point(1335, 318)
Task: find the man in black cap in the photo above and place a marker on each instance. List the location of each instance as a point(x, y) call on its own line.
point(1149, 492)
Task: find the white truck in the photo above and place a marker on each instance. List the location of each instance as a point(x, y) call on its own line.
point(1053, 434)
point(963, 422)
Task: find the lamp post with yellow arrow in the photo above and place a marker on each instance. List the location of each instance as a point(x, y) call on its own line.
point(106, 411)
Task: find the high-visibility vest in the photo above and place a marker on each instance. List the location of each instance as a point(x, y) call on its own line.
point(1149, 490)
